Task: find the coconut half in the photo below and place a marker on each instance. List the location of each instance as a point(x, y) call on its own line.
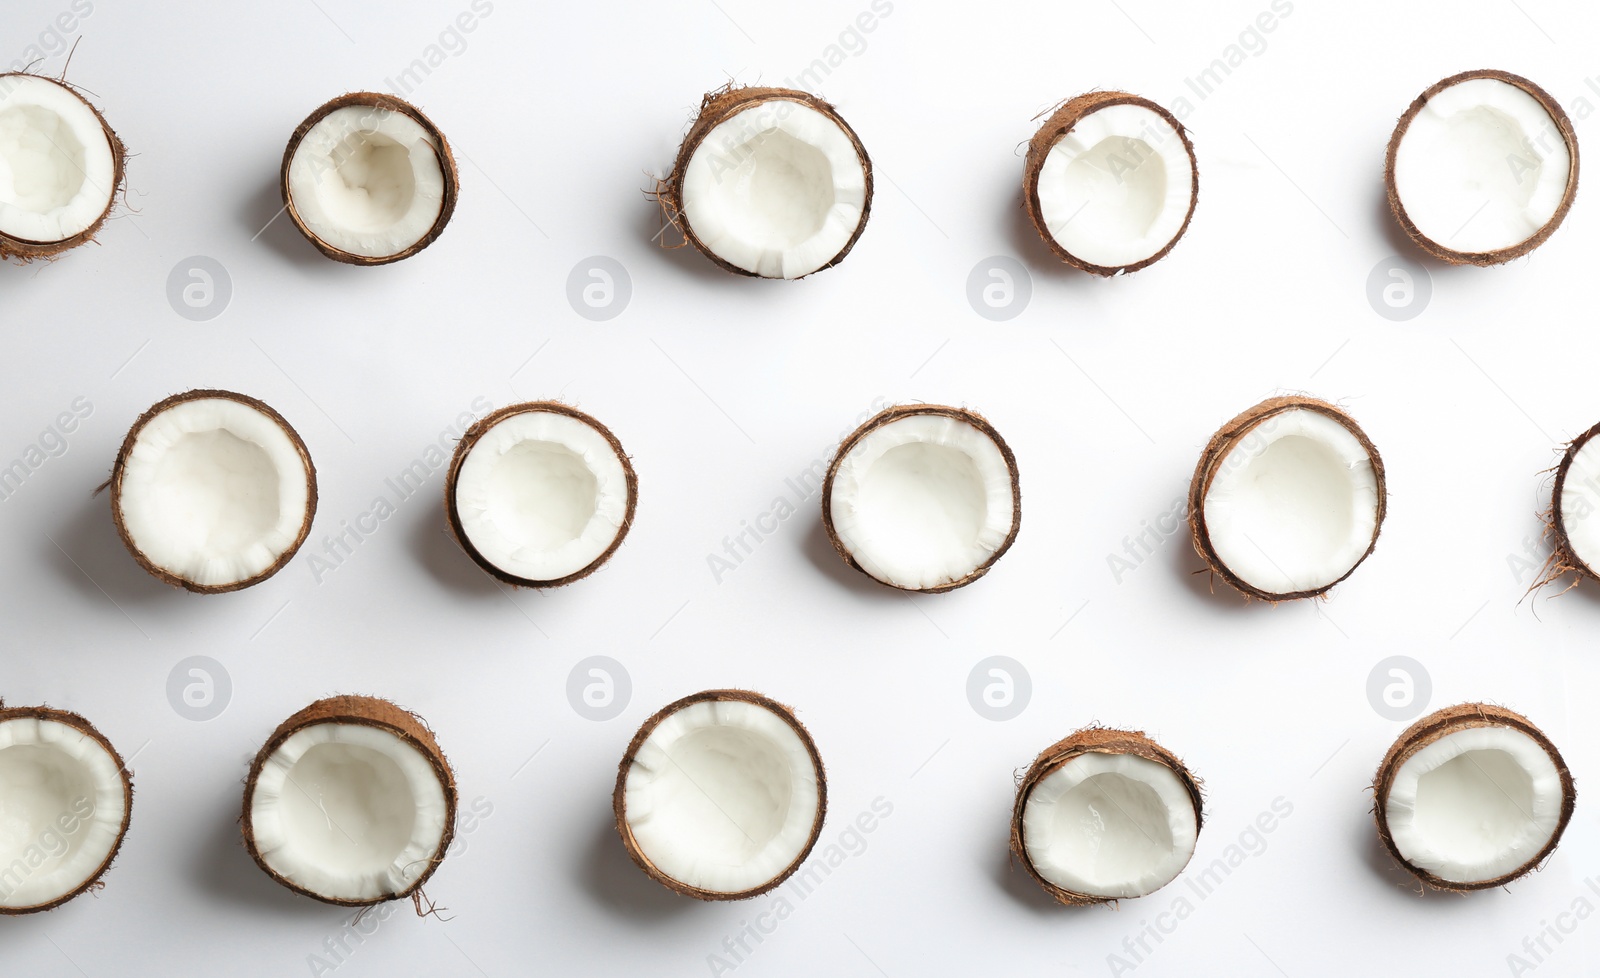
point(1287, 499)
point(213, 491)
point(350, 801)
point(369, 179)
point(1574, 514)
point(65, 802)
point(720, 795)
point(540, 494)
point(923, 497)
point(1471, 797)
point(1105, 815)
point(769, 182)
point(61, 167)
point(1482, 168)
point(1110, 182)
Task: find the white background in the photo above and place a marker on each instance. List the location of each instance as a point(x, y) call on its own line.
point(721, 388)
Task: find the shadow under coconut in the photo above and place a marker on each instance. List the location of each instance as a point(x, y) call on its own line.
point(222, 868)
point(265, 220)
point(86, 552)
point(660, 244)
point(614, 883)
point(819, 551)
point(444, 560)
point(1200, 581)
point(1024, 891)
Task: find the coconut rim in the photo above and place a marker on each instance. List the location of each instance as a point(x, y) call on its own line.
point(464, 447)
point(1564, 558)
point(1057, 126)
point(358, 710)
point(1225, 440)
point(77, 722)
point(717, 107)
point(118, 468)
point(1569, 138)
point(441, 148)
point(27, 250)
point(1099, 740)
point(888, 416)
point(1434, 727)
point(619, 807)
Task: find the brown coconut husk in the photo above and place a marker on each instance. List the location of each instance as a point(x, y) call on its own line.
point(1450, 255)
point(889, 416)
point(718, 107)
point(464, 448)
point(447, 165)
point(619, 795)
point(94, 880)
point(1096, 740)
point(1062, 122)
point(1439, 724)
point(1563, 559)
point(23, 250)
point(367, 711)
point(1223, 442)
point(115, 483)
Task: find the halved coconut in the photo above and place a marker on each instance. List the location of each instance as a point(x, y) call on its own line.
point(1287, 499)
point(1574, 514)
point(1482, 168)
point(769, 182)
point(350, 801)
point(1105, 815)
point(213, 491)
point(65, 802)
point(923, 497)
point(61, 167)
point(369, 179)
point(540, 494)
point(720, 795)
point(1471, 797)
point(1110, 182)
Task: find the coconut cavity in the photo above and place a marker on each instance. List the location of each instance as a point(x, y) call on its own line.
point(769, 182)
point(1105, 815)
point(1110, 182)
point(540, 494)
point(369, 179)
point(213, 491)
point(721, 795)
point(1471, 797)
point(61, 167)
point(923, 498)
point(65, 802)
point(1482, 168)
point(350, 801)
point(1287, 499)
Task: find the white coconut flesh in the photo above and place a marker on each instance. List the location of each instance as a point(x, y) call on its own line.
point(1110, 825)
point(722, 796)
point(213, 491)
point(348, 811)
point(1117, 188)
point(1294, 504)
point(922, 501)
point(61, 810)
point(367, 181)
point(57, 168)
point(1474, 805)
point(1482, 167)
point(777, 189)
point(541, 495)
point(1580, 504)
